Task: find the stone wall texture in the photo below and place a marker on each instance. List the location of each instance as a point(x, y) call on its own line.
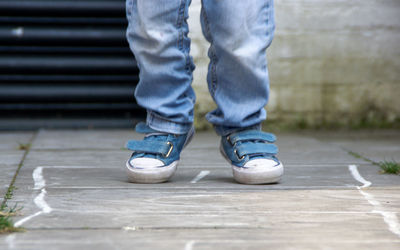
point(332, 63)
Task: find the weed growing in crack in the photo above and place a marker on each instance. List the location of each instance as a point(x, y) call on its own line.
point(23, 146)
point(389, 167)
point(6, 223)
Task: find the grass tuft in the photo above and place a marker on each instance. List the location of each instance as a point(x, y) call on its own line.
point(6, 212)
point(389, 167)
point(6, 223)
point(9, 193)
point(24, 146)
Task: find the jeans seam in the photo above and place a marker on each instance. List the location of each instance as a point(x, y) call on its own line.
point(179, 25)
point(213, 56)
point(181, 35)
point(129, 8)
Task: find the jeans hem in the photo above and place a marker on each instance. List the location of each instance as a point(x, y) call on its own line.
point(224, 130)
point(161, 124)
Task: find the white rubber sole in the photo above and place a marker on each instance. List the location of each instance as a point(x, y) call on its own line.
point(247, 176)
point(151, 175)
point(255, 175)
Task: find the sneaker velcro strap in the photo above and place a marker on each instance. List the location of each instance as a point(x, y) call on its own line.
point(154, 147)
point(256, 148)
point(249, 135)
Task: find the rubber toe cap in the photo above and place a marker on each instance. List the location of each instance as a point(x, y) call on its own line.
point(146, 163)
point(257, 165)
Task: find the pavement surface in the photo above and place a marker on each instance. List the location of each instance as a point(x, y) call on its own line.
point(74, 194)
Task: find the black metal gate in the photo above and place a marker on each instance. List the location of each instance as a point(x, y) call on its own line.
point(65, 63)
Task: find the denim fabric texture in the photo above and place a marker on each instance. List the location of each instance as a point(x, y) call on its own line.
point(239, 33)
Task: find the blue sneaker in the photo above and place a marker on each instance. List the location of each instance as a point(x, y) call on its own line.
point(155, 158)
point(252, 156)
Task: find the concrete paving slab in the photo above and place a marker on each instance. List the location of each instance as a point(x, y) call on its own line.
point(116, 158)
point(84, 139)
point(82, 199)
point(197, 239)
point(293, 148)
point(105, 168)
point(79, 208)
point(190, 157)
point(104, 139)
point(11, 157)
point(375, 145)
point(387, 198)
point(202, 220)
point(98, 158)
point(296, 177)
point(372, 173)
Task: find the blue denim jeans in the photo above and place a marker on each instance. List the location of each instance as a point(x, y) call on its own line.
point(239, 33)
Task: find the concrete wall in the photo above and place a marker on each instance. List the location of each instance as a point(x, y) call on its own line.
point(332, 62)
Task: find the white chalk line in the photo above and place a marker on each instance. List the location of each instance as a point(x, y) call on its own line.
point(38, 178)
point(41, 203)
point(390, 218)
point(189, 245)
point(68, 167)
point(39, 184)
point(10, 240)
point(22, 221)
point(128, 228)
point(354, 171)
point(200, 176)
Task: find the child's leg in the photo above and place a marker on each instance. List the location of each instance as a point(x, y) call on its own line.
point(157, 35)
point(239, 33)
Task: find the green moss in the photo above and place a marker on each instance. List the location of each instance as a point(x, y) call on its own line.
point(370, 117)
